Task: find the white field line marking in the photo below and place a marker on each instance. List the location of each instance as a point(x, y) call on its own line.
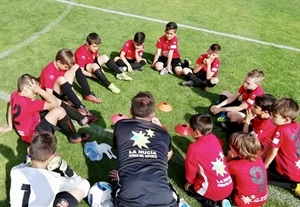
point(36, 35)
point(182, 25)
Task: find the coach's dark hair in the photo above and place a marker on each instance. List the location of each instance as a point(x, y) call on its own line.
point(171, 25)
point(201, 122)
point(66, 57)
point(139, 38)
point(142, 105)
point(93, 38)
point(23, 81)
point(43, 145)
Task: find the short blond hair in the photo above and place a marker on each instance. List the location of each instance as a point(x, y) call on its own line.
point(246, 145)
point(256, 74)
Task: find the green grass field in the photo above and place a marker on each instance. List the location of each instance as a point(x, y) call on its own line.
point(253, 34)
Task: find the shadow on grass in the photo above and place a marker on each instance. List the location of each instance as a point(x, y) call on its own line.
point(13, 160)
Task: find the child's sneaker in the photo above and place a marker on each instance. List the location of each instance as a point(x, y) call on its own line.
point(113, 88)
point(123, 68)
point(92, 98)
point(226, 203)
point(83, 110)
point(123, 76)
point(186, 63)
point(222, 117)
point(164, 71)
point(83, 137)
point(297, 190)
point(188, 83)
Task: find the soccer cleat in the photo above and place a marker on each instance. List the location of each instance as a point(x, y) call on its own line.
point(204, 88)
point(188, 83)
point(114, 88)
point(164, 71)
point(297, 190)
point(123, 76)
point(222, 117)
point(83, 110)
point(186, 63)
point(88, 119)
point(92, 118)
point(83, 137)
point(92, 98)
point(226, 203)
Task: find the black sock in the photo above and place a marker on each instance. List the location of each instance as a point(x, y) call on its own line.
point(138, 65)
point(222, 98)
point(113, 66)
point(69, 93)
point(197, 81)
point(100, 75)
point(72, 112)
point(82, 81)
point(67, 125)
point(120, 62)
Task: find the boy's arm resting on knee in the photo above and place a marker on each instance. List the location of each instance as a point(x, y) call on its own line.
point(156, 56)
point(270, 156)
point(8, 127)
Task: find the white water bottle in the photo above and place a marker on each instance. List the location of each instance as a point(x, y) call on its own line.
point(183, 203)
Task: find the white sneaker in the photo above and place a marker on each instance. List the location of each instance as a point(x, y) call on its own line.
point(123, 68)
point(164, 71)
point(226, 203)
point(188, 83)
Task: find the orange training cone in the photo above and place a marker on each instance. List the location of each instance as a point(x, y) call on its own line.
point(164, 106)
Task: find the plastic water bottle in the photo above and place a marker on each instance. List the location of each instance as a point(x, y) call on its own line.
point(183, 203)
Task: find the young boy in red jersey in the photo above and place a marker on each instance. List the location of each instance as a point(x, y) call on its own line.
point(87, 57)
point(28, 115)
point(167, 56)
point(130, 56)
point(230, 103)
point(208, 179)
point(206, 70)
point(258, 120)
point(247, 171)
point(284, 171)
point(58, 76)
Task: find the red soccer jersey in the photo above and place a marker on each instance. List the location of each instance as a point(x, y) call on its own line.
point(167, 45)
point(129, 50)
point(205, 167)
point(250, 182)
point(49, 75)
point(83, 56)
point(214, 66)
point(249, 96)
point(287, 139)
point(25, 113)
point(264, 129)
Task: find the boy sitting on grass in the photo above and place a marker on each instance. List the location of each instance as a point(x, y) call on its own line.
point(130, 56)
point(208, 179)
point(87, 57)
point(167, 56)
point(229, 104)
point(35, 184)
point(206, 70)
point(247, 170)
point(29, 115)
point(283, 159)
